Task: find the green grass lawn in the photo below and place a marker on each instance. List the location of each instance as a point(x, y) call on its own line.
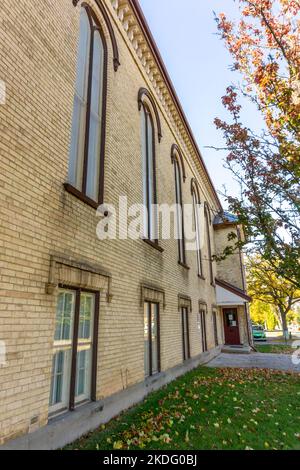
point(274, 348)
point(210, 409)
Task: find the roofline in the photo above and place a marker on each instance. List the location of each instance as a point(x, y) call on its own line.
point(233, 289)
point(155, 51)
point(225, 225)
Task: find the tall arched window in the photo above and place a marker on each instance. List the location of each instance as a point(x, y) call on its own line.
point(179, 213)
point(209, 250)
point(196, 205)
point(88, 125)
point(149, 175)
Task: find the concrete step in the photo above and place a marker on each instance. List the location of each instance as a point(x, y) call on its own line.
point(239, 349)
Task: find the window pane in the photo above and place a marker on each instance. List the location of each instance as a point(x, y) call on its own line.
point(62, 357)
point(77, 143)
point(146, 339)
point(206, 213)
point(153, 223)
point(85, 346)
point(60, 380)
point(185, 333)
point(97, 75)
point(83, 374)
point(57, 378)
point(203, 321)
point(215, 327)
point(154, 333)
point(87, 308)
point(150, 214)
point(93, 167)
point(144, 155)
point(64, 316)
point(144, 170)
point(197, 231)
point(83, 55)
point(179, 215)
point(80, 104)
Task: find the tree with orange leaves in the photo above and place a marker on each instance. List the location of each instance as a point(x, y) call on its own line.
point(265, 46)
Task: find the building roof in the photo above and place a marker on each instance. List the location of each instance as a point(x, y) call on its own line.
point(235, 290)
point(225, 218)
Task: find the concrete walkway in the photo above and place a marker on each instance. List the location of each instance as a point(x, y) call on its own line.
point(255, 361)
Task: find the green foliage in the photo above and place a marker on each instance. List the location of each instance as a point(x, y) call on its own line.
point(267, 287)
point(263, 314)
point(274, 348)
point(264, 44)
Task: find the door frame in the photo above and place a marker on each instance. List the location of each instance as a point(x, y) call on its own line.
point(149, 316)
point(185, 313)
point(202, 314)
point(237, 324)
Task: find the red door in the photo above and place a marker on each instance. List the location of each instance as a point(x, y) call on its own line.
point(231, 326)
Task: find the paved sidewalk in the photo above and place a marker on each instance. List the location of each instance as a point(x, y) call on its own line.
point(256, 361)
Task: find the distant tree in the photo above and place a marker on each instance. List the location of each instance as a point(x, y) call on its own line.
point(263, 314)
point(265, 48)
point(272, 320)
point(265, 286)
point(293, 316)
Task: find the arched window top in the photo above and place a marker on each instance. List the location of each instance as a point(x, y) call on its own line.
point(195, 189)
point(196, 202)
point(179, 211)
point(94, 22)
point(146, 99)
point(87, 149)
point(149, 174)
point(207, 212)
point(177, 155)
point(116, 57)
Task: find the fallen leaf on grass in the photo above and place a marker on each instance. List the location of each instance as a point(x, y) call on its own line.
point(118, 445)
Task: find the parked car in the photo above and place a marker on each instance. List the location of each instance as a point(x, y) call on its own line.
point(294, 328)
point(259, 333)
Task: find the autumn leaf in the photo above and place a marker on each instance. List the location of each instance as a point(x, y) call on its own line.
point(118, 445)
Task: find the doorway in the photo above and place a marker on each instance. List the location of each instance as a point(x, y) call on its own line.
point(231, 326)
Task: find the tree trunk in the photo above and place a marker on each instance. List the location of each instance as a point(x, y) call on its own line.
point(283, 315)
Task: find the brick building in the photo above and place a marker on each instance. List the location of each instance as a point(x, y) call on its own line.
point(90, 115)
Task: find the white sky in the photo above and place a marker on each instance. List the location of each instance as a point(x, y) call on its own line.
point(199, 66)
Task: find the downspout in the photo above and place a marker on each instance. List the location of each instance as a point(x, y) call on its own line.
point(244, 288)
point(248, 329)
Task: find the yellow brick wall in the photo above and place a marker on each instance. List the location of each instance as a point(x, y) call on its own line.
point(230, 269)
point(38, 54)
point(242, 325)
